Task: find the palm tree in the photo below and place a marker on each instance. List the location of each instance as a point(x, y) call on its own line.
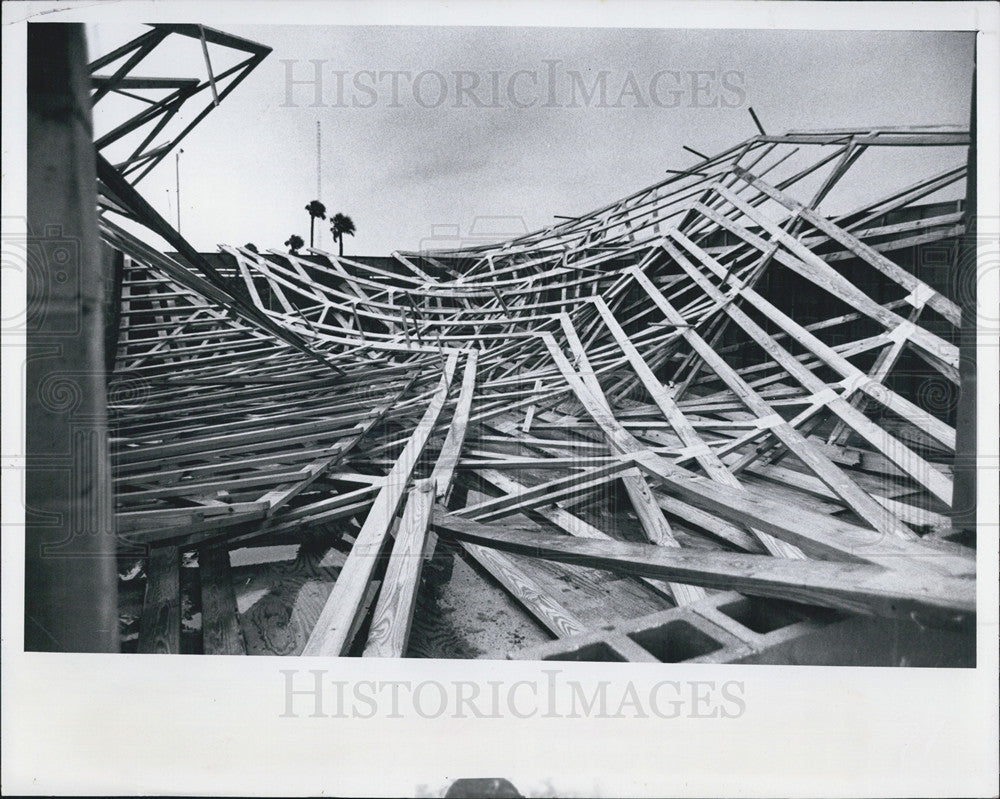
point(342, 226)
point(294, 243)
point(316, 211)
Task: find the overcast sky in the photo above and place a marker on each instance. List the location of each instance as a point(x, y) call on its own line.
point(514, 139)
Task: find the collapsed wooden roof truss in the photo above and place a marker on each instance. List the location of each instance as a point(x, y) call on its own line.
point(639, 358)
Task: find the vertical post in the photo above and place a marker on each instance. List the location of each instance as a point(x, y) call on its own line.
point(70, 569)
point(177, 175)
point(964, 281)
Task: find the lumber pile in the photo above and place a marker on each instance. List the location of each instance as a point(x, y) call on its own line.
point(725, 399)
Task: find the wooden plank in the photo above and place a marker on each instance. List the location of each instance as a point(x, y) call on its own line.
point(878, 373)
point(330, 637)
point(651, 517)
point(817, 534)
point(533, 597)
point(529, 415)
point(908, 513)
point(934, 599)
point(545, 493)
point(451, 450)
point(160, 625)
point(884, 140)
point(220, 624)
point(390, 627)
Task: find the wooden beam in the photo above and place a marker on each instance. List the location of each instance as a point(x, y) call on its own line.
point(220, 626)
point(160, 625)
point(704, 455)
point(859, 501)
point(895, 450)
point(934, 599)
point(919, 290)
point(390, 627)
point(330, 636)
point(451, 450)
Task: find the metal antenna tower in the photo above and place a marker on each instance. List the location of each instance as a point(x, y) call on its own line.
point(319, 178)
